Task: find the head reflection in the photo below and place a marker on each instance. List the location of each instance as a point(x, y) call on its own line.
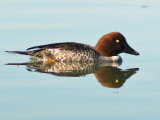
point(113, 77)
point(107, 74)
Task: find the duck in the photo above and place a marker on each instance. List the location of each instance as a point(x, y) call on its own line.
point(107, 49)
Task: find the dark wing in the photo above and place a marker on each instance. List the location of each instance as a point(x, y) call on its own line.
point(64, 45)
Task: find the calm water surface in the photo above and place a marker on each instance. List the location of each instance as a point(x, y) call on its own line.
point(129, 91)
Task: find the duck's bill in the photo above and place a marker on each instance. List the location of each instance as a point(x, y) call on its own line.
point(130, 50)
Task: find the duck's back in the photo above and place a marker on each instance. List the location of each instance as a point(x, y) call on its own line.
point(68, 51)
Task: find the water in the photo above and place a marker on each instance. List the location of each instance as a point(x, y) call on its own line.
point(37, 96)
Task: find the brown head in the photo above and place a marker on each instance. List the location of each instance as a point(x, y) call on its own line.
point(112, 44)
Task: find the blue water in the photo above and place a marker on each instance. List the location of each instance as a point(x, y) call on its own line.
point(38, 96)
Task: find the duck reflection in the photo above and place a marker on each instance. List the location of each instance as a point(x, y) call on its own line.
point(108, 74)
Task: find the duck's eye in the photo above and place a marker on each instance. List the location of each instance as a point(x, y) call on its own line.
point(117, 41)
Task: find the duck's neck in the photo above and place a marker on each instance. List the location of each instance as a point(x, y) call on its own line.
point(103, 47)
point(111, 59)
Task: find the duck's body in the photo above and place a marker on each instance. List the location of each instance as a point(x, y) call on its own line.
point(68, 51)
point(106, 50)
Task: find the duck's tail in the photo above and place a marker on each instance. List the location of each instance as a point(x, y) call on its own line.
point(19, 52)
